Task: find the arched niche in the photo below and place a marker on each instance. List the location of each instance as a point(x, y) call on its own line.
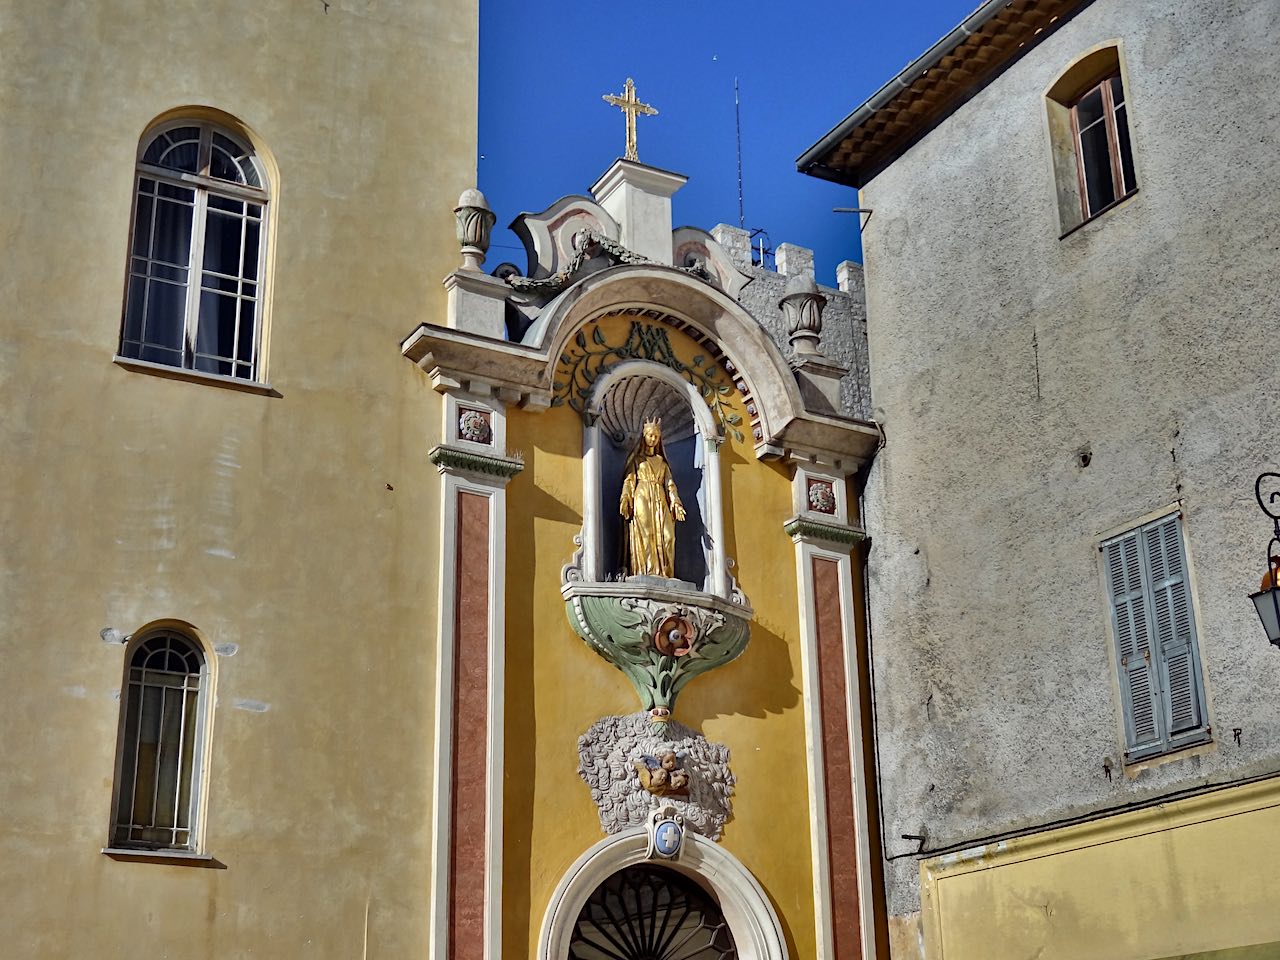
point(619, 402)
point(757, 932)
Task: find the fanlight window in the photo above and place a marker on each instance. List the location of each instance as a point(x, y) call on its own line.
point(651, 913)
point(157, 787)
point(194, 297)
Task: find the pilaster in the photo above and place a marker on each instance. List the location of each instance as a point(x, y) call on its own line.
point(466, 896)
point(842, 885)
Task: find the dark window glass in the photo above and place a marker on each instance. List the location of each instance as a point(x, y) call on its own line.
point(165, 322)
point(1103, 150)
point(1126, 149)
point(158, 745)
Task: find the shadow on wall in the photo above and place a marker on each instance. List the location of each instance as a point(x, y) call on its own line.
point(535, 504)
point(759, 683)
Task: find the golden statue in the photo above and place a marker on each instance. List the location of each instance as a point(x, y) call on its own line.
point(650, 507)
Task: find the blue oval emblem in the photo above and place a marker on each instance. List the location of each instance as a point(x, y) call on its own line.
point(667, 838)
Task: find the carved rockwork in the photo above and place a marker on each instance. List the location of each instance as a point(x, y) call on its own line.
point(657, 633)
point(612, 752)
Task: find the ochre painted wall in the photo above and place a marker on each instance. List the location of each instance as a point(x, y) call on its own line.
point(557, 687)
point(300, 527)
point(1192, 877)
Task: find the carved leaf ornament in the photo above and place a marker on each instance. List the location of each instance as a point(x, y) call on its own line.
point(591, 355)
point(659, 645)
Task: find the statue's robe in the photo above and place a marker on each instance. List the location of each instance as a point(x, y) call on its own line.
point(651, 530)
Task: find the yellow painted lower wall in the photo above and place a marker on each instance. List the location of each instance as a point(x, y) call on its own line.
point(1196, 878)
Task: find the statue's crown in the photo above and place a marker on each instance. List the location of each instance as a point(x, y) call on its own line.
point(653, 422)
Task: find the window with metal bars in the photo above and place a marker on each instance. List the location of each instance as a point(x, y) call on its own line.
point(196, 254)
point(1154, 630)
point(1104, 154)
point(647, 912)
point(158, 779)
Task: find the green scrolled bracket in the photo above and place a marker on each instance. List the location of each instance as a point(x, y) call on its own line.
point(660, 637)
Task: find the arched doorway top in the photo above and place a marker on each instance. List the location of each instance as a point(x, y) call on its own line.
point(756, 929)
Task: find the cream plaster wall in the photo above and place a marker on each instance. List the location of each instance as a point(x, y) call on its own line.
point(298, 529)
point(998, 353)
point(557, 687)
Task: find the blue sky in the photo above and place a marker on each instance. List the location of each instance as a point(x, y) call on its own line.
point(545, 132)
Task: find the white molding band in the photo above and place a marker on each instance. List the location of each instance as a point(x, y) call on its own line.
point(757, 932)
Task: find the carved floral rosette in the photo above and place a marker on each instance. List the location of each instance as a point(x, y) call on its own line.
point(660, 639)
point(608, 754)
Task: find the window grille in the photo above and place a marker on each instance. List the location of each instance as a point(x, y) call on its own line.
point(158, 784)
point(1153, 626)
point(651, 913)
point(194, 296)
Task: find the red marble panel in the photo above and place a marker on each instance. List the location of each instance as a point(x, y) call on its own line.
point(842, 838)
point(470, 729)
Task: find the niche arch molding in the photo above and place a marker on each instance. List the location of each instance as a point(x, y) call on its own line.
point(683, 302)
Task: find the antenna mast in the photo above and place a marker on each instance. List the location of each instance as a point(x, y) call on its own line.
point(737, 120)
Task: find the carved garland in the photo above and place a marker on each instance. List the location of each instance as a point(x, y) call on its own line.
point(591, 355)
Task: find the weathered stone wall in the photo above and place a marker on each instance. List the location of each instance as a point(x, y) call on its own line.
point(844, 321)
point(1001, 352)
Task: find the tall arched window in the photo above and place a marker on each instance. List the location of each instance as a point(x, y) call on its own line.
point(163, 706)
point(194, 298)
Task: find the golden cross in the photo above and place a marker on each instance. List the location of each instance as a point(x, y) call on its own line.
point(632, 107)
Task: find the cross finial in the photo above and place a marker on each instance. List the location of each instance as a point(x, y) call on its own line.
point(632, 107)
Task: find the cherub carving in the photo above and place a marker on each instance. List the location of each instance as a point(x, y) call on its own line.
point(664, 776)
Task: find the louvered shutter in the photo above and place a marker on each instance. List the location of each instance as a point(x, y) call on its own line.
point(1174, 627)
point(1123, 557)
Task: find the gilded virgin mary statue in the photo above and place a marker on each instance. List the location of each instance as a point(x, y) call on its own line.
point(650, 507)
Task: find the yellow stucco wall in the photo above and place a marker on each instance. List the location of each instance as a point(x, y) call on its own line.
point(1192, 878)
point(557, 687)
point(299, 527)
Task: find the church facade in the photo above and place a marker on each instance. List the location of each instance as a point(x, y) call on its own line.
point(350, 613)
point(1071, 311)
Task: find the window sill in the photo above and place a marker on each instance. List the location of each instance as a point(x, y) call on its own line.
point(1202, 744)
point(195, 376)
point(1101, 213)
point(184, 858)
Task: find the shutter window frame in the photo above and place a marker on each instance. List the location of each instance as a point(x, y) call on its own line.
point(1154, 638)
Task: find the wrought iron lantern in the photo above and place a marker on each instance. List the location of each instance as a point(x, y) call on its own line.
point(1267, 599)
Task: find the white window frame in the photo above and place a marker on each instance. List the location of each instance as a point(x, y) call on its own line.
point(199, 755)
point(203, 186)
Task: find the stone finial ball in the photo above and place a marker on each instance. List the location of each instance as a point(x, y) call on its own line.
point(471, 197)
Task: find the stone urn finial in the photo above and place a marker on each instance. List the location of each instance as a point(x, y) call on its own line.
point(475, 223)
point(803, 305)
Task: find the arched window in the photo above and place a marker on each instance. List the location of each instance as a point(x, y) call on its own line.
point(158, 780)
point(1089, 133)
point(194, 297)
point(647, 912)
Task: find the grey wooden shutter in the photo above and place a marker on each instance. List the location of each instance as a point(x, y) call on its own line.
point(1129, 613)
point(1174, 627)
